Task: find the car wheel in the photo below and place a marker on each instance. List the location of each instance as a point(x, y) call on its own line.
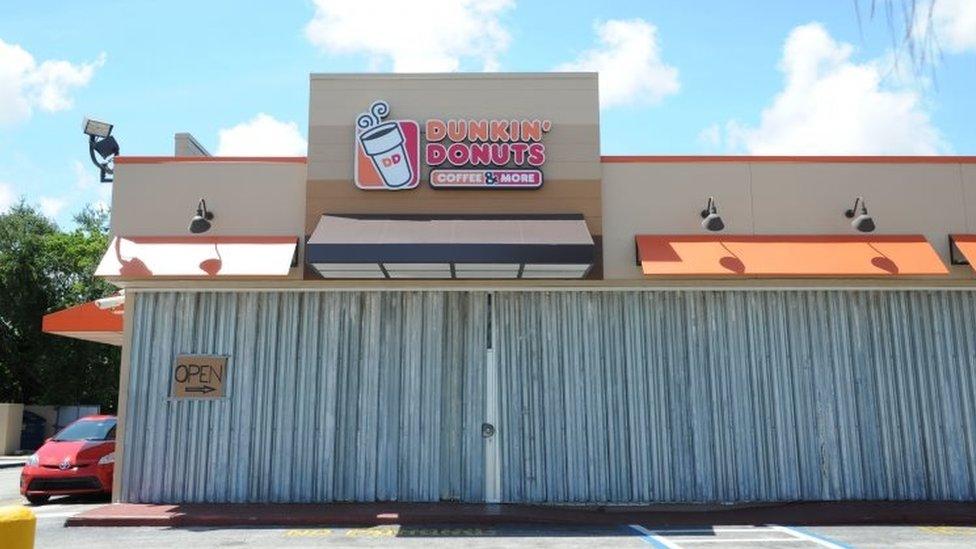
point(38, 500)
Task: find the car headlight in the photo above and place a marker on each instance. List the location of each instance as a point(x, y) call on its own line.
point(107, 459)
point(32, 461)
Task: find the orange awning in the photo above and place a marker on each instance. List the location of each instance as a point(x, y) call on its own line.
point(966, 245)
point(86, 321)
point(198, 257)
point(788, 255)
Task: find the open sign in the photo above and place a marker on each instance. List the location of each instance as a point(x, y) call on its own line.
point(198, 376)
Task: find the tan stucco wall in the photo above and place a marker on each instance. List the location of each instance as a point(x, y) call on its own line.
point(762, 197)
point(247, 198)
point(11, 417)
point(568, 100)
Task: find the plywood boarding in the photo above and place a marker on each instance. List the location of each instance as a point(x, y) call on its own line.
point(330, 396)
point(696, 396)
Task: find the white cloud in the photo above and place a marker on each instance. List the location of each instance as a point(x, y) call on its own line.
point(416, 35)
point(52, 206)
point(26, 85)
point(833, 105)
point(628, 59)
point(711, 136)
point(7, 197)
point(953, 24)
point(263, 135)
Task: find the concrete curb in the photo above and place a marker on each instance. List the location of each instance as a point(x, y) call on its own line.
point(347, 515)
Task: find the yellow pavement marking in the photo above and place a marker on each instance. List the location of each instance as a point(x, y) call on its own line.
point(308, 533)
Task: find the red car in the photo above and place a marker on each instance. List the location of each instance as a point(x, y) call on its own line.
point(77, 460)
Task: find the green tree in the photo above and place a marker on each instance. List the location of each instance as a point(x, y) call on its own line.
point(44, 269)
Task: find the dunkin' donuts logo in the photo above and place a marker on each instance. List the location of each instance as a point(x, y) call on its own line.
point(499, 154)
point(387, 153)
point(461, 153)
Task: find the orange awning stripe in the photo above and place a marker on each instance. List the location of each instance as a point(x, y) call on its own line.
point(788, 255)
point(86, 321)
point(198, 256)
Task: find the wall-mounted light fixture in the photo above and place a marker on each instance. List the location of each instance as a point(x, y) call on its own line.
point(710, 219)
point(201, 221)
point(860, 219)
point(102, 147)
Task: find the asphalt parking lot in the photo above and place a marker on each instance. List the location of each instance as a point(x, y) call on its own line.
point(52, 533)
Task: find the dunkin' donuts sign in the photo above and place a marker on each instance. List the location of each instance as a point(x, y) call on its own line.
point(462, 153)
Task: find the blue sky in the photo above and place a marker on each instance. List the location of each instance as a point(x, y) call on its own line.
point(693, 77)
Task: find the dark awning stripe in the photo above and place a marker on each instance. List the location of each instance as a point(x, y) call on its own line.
point(450, 253)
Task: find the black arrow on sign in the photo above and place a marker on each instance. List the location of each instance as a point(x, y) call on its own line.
point(201, 389)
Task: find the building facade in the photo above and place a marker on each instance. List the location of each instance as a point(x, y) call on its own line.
point(455, 297)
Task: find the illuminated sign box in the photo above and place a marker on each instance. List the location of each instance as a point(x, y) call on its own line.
point(463, 153)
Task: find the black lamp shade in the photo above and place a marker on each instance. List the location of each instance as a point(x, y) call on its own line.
point(863, 223)
point(199, 224)
point(106, 147)
point(713, 222)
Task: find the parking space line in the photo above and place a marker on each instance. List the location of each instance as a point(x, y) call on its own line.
point(810, 536)
point(659, 537)
point(709, 531)
point(652, 538)
point(743, 540)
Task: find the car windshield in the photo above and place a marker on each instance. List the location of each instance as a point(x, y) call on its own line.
point(101, 429)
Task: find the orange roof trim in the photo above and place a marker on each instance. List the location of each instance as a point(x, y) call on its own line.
point(86, 321)
point(784, 256)
point(206, 159)
point(651, 159)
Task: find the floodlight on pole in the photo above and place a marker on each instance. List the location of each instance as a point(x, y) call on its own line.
point(102, 147)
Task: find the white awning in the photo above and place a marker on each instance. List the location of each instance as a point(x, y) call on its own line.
point(140, 257)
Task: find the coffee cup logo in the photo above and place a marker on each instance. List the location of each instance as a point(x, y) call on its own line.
point(387, 153)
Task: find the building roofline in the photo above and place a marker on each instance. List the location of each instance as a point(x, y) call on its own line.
point(662, 159)
point(209, 159)
point(448, 75)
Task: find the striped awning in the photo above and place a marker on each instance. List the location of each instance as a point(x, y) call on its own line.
point(451, 246)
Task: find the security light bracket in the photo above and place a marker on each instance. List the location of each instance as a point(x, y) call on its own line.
point(105, 169)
